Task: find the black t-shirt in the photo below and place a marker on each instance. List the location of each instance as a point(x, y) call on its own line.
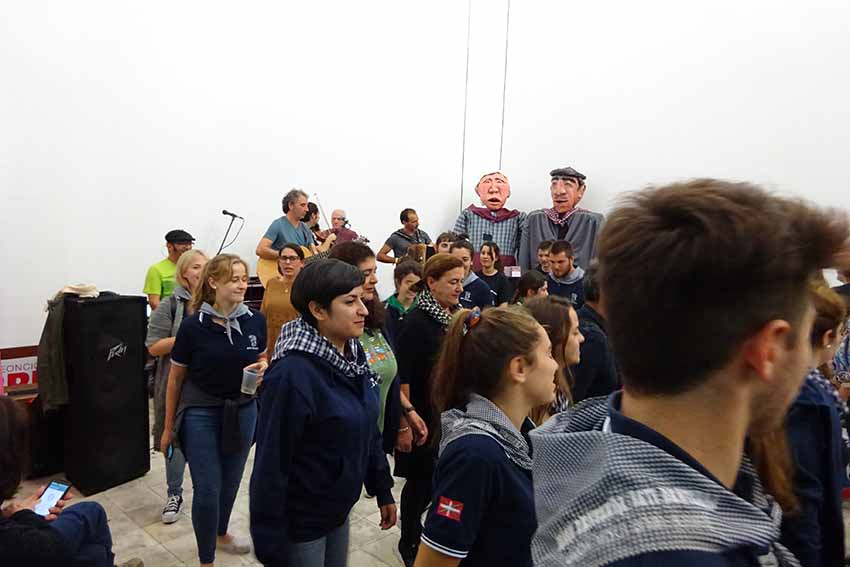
point(500, 285)
point(417, 347)
point(482, 510)
point(214, 364)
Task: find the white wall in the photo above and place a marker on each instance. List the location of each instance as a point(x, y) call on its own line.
point(123, 120)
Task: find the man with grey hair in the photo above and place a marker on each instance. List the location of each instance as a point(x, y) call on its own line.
point(290, 229)
point(339, 226)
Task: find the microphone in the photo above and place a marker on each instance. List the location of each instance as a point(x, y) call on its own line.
point(228, 213)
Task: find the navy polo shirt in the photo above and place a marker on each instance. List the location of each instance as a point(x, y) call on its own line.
point(574, 292)
point(482, 510)
point(739, 557)
point(476, 293)
point(213, 364)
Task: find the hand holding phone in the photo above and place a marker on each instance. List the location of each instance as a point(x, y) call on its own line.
point(48, 499)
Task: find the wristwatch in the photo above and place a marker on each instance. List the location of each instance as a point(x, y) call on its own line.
point(408, 410)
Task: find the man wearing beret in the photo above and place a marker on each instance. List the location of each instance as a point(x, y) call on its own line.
point(492, 221)
point(161, 277)
point(564, 221)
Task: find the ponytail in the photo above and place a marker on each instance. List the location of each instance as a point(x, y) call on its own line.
point(475, 354)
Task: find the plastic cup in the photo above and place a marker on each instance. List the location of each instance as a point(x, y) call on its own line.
point(249, 382)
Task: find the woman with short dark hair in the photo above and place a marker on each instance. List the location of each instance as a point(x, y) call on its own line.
point(317, 438)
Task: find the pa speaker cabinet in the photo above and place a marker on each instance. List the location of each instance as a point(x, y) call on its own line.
point(106, 424)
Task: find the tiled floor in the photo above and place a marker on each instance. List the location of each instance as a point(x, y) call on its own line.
point(134, 512)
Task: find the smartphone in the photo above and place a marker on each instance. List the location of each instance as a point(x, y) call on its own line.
point(169, 453)
point(54, 492)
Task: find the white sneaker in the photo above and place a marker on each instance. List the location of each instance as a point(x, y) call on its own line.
point(171, 512)
point(236, 546)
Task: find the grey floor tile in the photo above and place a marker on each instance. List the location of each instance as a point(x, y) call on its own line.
point(385, 549)
point(362, 559)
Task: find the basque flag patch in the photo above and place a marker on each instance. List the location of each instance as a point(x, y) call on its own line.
point(449, 508)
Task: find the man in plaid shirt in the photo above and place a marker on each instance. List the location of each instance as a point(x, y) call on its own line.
point(492, 221)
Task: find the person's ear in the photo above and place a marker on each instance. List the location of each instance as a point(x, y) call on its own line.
point(318, 312)
point(828, 339)
point(518, 370)
point(211, 283)
point(765, 351)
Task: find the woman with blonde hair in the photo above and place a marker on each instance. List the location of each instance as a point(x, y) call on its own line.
point(206, 406)
point(494, 367)
point(560, 320)
point(162, 330)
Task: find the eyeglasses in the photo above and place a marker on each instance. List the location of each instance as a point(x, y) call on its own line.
point(288, 259)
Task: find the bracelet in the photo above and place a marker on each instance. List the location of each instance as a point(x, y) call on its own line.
point(408, 410)
point(403, 429)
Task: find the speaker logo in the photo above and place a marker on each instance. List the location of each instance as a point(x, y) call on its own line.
point(117, 351)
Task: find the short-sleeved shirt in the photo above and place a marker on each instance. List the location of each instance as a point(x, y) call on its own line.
point(161, 279)
point(214, 365)
point(482, 510)
point(400, 241)
point(382, 361)
point(282, 232)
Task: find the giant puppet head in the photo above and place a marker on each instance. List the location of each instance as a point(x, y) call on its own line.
point(493, 189)
point(567, 189)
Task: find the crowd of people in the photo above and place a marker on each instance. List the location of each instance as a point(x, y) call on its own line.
point(666, 386)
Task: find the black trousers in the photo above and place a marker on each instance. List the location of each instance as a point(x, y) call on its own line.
point(415, 497)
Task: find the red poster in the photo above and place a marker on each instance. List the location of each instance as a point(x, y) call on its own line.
point(19, 369)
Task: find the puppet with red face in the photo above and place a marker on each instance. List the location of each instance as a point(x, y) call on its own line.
point(492, 221)
point(563, 221)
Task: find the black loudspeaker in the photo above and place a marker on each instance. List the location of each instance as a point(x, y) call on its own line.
point(106, 423)
point(47, 441)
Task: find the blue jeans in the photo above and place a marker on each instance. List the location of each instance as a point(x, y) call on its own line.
point(174, 472)
point(328, 551)
point(86, 531)
point(215, 476)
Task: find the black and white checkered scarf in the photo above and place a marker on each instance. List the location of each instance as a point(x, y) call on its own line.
point(429, 304)
point(483, 417)
point(602, 497)
point(299, 336)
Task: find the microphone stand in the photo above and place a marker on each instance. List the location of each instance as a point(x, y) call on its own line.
point(223, 240)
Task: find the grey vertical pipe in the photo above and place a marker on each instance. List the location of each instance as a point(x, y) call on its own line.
point(504, 84)
point(465, 104)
